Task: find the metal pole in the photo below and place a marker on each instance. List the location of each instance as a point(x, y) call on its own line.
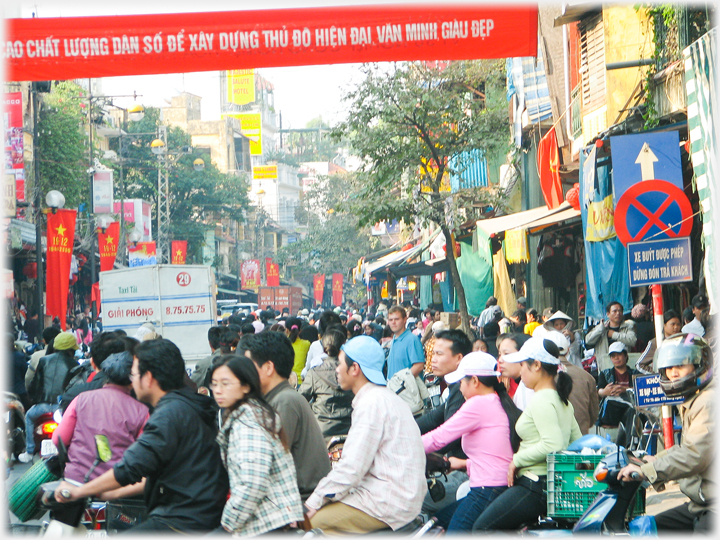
point(122, 204)
point(667, 419)
point(38, 213)
point(91, 220)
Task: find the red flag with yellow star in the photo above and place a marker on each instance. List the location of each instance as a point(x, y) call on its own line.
point(549, 168)
point(179, 251)
point(108, 245)
point(60, 237)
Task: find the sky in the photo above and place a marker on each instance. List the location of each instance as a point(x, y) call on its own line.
point(301, 93)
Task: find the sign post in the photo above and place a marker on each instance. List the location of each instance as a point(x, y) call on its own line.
point(653, 218)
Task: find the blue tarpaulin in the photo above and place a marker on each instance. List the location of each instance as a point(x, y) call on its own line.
point(606, 262)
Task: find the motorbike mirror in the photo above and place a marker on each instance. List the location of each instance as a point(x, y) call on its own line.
point(600, 474)
point(104, 453)
point(57, 415)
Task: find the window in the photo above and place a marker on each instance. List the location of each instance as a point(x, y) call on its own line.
point(592, 63)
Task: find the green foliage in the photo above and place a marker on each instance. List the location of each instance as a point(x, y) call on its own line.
point(197, 198)
point(411, 125)
point(62, 161)
point(334, 243)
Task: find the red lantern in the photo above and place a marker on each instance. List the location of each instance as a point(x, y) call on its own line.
point(573, 196)
point(30, 270)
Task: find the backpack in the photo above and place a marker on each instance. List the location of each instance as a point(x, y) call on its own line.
point(410, 388)
point(77, 375)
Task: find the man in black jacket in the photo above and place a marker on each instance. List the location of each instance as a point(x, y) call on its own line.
point(102, 346)
point(450, 347)
point(49, 382)
point(176, 460)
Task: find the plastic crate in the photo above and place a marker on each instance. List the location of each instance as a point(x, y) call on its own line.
point(571, 487)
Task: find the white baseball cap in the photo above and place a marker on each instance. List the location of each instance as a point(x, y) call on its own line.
point(532, 349)
point(475, 363)
point(617, 347)
point(559, 339)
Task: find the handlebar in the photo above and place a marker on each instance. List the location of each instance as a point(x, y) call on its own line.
point(635, 476)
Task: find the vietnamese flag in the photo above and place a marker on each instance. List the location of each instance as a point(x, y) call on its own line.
point(318, 287)
point(60, 237)
point(337, 289)
point(549, 168)
point(179, 251)
point(108, 245)
point(272, 273)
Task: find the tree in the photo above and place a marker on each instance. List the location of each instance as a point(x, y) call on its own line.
point(334, 243)
point(414, 126)
point(197, 198)
point(62, 146)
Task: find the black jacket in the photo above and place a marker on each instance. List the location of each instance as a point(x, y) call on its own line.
point(435, 418)
point(71, 393)
point(187, 484)
point(51, 377)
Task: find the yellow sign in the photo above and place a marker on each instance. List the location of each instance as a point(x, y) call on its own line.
point(251, 127)
point(240, 86)
point(516, 246)
point(265, 172)
point(600, 220)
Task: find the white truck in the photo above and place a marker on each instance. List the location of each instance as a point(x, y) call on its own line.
point(178, 299)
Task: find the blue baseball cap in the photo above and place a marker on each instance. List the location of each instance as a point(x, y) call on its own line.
point(367, 353)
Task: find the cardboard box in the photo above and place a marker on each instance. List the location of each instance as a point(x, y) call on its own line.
point(451, 320)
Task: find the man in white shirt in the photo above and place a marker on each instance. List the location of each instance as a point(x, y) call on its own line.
point(379, 481)
point(699, 303)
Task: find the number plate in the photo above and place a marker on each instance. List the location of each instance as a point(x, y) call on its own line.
point(47, 448)
point(96, 533)
point(7, 417)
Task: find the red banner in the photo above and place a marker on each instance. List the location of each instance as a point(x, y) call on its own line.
point(318, 287)
point(337, 289)
point(549, 167)
point(272, 273)
point(95, 296)
point(63, 48)
point(179, 251)
point(142, 254)
point(60, 237)
point(250, 274)
point(108, 245)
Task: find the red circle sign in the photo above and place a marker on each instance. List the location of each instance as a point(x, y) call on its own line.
point(183, 279)
point(674, 197)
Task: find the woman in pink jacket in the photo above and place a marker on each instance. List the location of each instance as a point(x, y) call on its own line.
point(486, 423)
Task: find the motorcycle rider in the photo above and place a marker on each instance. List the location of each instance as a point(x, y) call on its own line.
point(48, 385)
point(379, 481)
point(450, 348)
point(176, 460)
point(685, 364)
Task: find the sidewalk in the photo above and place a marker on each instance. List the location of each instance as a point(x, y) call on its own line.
point(659, 502)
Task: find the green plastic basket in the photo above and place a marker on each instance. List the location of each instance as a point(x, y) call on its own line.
point(22, 501)
point(571, 487)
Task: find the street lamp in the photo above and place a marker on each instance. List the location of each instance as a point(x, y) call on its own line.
point(158, 147)
point(198, 164)
point(136, 112)
point(134, 237)
point(54, 199)
point(104, 221)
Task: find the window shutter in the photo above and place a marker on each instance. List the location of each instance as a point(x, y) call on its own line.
point(592, 58)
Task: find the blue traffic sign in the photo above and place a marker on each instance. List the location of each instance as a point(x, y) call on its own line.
point(649, 393)
point(659, 261)
point(645, 156)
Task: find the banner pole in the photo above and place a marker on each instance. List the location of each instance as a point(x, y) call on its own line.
point(667, 419)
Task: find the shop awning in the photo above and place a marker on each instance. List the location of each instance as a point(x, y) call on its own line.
point(398, 257)
point(566, 217)
point(523, 219)
point(424, 268)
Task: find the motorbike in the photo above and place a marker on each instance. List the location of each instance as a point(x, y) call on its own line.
point(70, 518)
point(14, 426)
point(432, 383)
point(43, 430)
point(608, 512)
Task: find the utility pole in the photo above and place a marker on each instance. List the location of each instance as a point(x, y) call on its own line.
point(163, 207)
point(37, 199)
point(91, 220)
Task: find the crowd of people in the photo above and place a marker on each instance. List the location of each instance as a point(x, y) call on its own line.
point(240, 445)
